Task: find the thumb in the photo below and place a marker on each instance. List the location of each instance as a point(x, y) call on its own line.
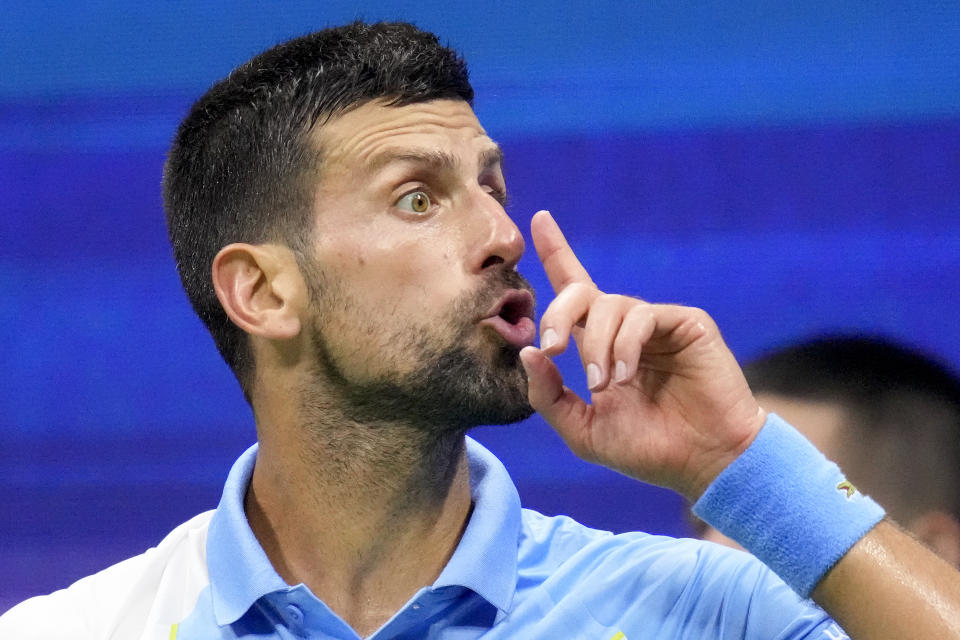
point(563, 409)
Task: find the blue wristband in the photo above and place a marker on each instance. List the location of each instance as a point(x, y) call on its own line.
point(789, 506)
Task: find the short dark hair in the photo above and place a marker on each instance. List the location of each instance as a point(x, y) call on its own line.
point(241, 166)
point(902, 432)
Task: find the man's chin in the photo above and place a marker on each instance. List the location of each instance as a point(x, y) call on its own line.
point(519, 415)
point(475, 390)
point(453, 390)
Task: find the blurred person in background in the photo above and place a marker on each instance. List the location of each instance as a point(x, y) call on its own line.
point(889, 416)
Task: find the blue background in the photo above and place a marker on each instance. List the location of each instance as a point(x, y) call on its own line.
point(791, 169)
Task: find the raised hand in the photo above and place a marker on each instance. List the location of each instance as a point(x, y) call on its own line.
point(669, 404)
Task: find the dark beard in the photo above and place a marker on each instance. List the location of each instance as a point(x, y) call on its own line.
point(450, 390)
point(453, 388)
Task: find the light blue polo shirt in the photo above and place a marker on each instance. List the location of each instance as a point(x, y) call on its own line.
point(515, 574)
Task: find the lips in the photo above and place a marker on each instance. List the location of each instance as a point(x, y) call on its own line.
point(512, 318)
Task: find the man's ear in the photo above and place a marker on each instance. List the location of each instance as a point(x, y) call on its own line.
point(261, 289)
point(940, 531)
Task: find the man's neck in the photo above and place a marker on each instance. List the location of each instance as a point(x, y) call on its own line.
point(363, 515)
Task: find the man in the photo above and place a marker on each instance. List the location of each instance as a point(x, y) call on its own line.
point(890, 417)
point(337, 217)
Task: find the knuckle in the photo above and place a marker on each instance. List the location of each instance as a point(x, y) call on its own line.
point(559, 323)
point(614, 299)
point(700, 315)
point(580, 288)
point(568, 295)
point(643, 312)
point(605, 302)
point(548, 320)
point(701, 319)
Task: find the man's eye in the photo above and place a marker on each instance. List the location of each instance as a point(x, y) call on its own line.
point(500, 195)
point(417, 202)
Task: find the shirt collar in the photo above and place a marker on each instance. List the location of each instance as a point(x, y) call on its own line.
point(485, 560)
point(240, 572)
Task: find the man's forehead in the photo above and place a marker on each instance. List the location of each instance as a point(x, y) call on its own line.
point(374, 134)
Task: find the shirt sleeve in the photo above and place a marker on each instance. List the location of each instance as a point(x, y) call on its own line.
point(682, 589)
point(743, 598)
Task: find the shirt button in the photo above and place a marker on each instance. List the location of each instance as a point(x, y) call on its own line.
point(296, 616)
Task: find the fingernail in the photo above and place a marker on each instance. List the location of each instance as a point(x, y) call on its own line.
point(548, 339)
point(593, 375)
point(620, 371)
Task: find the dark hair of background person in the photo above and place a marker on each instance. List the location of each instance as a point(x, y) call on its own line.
point(242, 167)
point(901, 435)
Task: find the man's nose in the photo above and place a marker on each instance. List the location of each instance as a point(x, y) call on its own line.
point(496, 239)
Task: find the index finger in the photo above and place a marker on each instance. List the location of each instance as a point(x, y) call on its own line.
point(559, 261)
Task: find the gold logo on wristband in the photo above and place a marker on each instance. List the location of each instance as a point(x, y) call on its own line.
point(847, 487)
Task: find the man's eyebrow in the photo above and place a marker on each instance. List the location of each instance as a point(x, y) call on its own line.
point(490, 157)
point(438, 160)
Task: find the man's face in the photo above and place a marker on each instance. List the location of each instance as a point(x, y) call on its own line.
point(419, 313)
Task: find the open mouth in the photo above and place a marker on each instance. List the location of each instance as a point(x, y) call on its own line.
point(512, 318)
